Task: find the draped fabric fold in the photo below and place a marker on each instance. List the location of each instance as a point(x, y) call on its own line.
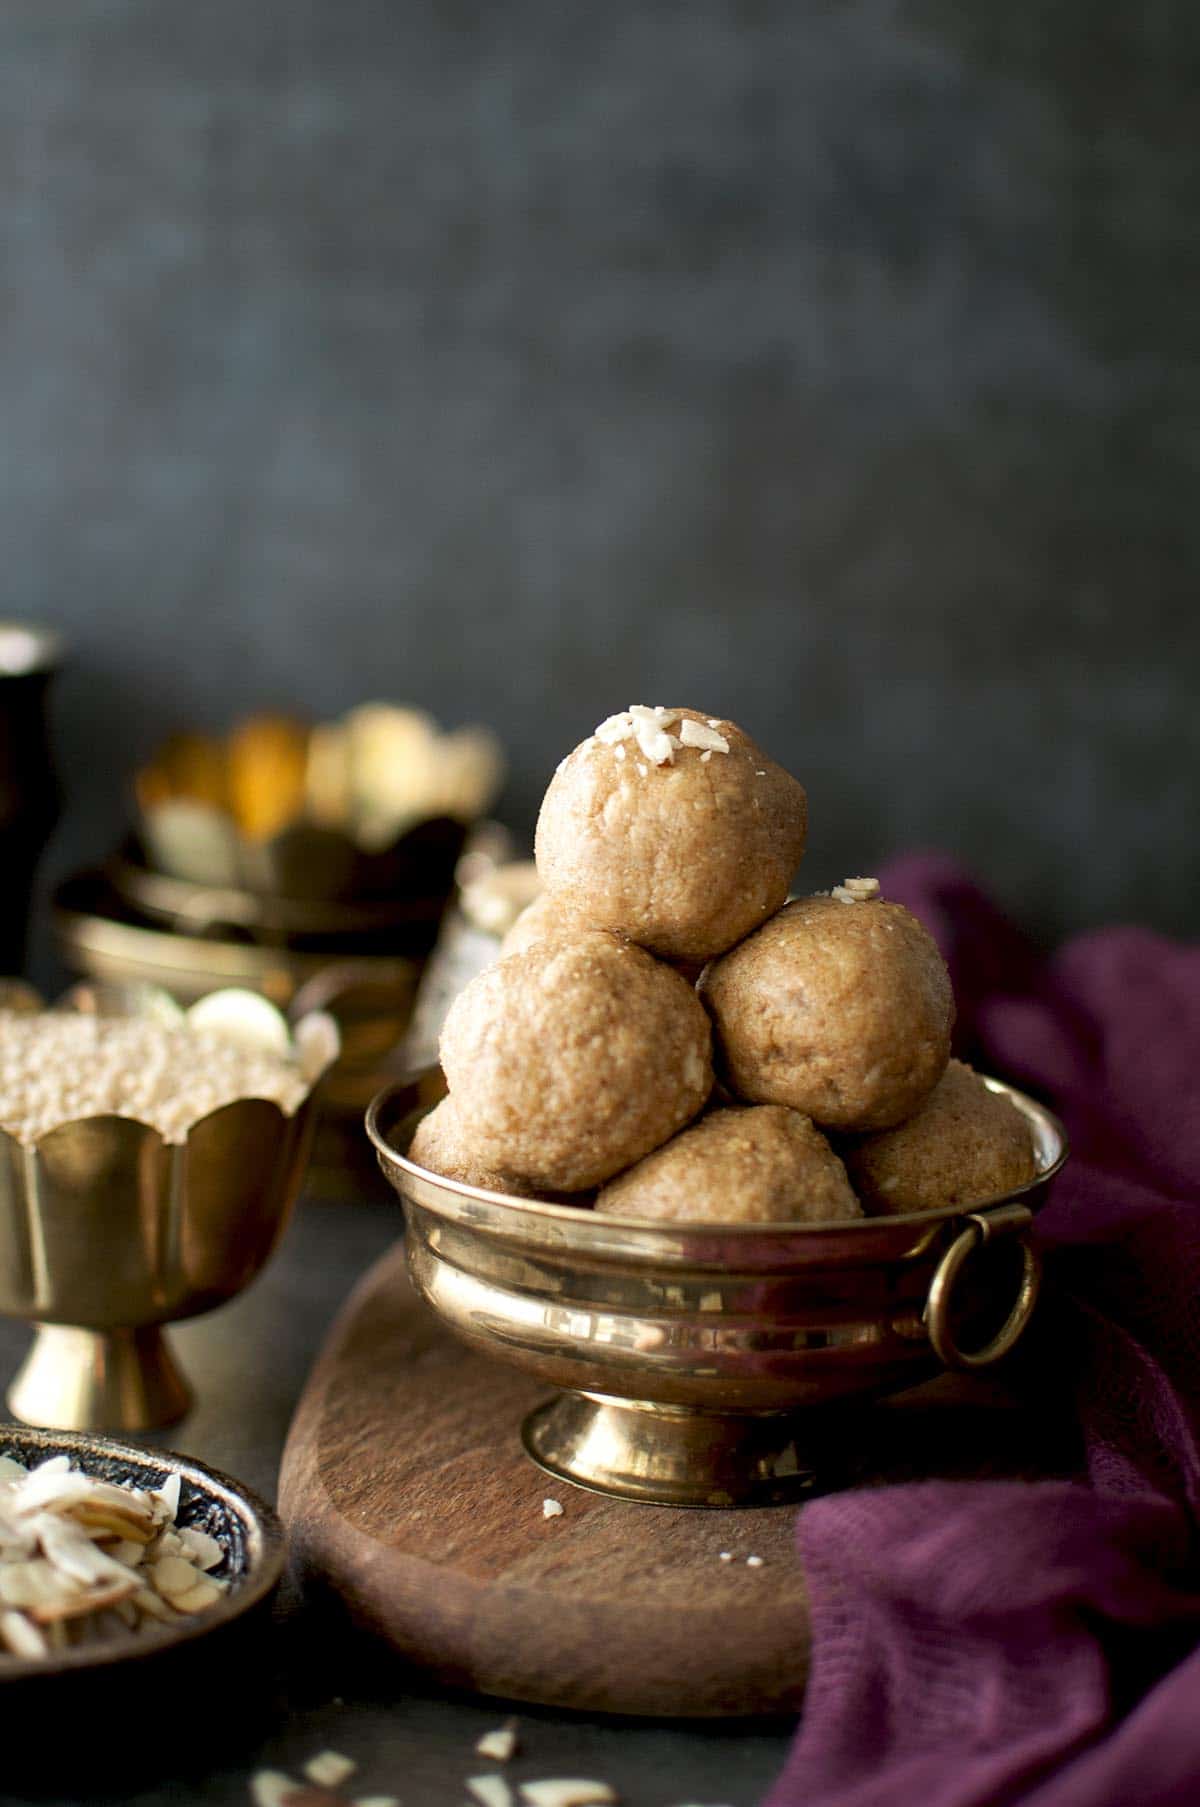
point(980, 1643)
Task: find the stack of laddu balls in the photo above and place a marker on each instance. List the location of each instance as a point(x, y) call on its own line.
point(584, 1058)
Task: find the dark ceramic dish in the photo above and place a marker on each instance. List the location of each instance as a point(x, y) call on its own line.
point(246, 1528)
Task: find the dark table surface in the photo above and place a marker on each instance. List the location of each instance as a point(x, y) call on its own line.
point(301, 1682)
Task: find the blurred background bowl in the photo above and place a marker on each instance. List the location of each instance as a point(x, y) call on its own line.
point(375, 805)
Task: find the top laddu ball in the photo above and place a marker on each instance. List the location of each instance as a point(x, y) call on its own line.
point(672, 828)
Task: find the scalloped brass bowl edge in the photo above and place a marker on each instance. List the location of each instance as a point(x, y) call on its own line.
point(109, 1231)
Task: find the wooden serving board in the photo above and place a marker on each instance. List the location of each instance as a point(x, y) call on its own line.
point(406, 1491)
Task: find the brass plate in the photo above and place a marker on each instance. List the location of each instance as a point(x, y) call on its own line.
point(210, 910)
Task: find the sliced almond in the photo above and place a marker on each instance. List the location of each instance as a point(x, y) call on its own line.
point(614, 729)
point(111, 1521)
point(22, 1638)
point(153, 1606)
point(77, 1556)
point(127, 1551)
point(567, 1791)
point(272, 1788)
point(77, 1606)
point(168, 1495)
point(696, 734)
point(206, 1593)
point(173, 1575)
point(648, 727)
point(328, 1768)
point(489, 1791)
point(501, 1745)
point(53, 1489)
point(29, 1584)
point(52, 1465)
point(200, 1548)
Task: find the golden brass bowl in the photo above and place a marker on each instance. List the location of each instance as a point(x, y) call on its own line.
point(409, 916)
point(108, 1231)
point(106, 940)
point(369, 806)
point(698, 1362)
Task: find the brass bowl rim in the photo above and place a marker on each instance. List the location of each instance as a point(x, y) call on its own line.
point(184, 905)
point(606, 1235)
point(266, 1550)
point(70, 1125)
point(88, 932)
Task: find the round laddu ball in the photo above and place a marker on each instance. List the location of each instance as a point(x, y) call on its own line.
point(547, 918)
point(543, 919)
point(841, 1009)
point(673, 828)
point(965, 1144)
point(757, 1164)
point(573, 1059)
point(440, 1144)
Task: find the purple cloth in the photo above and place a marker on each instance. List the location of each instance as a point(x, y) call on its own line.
point(992, 1642)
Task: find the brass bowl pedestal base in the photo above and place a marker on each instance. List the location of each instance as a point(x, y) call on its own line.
point(123, 1380)
point(669, 1456)
point(708, 1364)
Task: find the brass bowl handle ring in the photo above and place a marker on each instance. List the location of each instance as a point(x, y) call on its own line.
point(982, 1227)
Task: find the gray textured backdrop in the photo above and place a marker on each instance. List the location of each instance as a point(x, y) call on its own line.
point(833, 366)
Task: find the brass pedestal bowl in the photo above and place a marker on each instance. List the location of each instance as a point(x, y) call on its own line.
point(698, 1364)
point(108, 1231)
